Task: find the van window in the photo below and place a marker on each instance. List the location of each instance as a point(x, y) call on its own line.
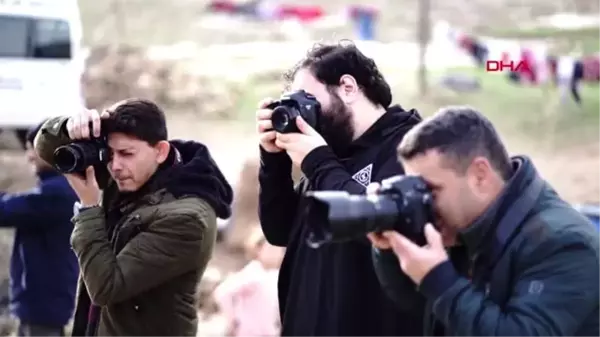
point(39, 38)
point(14, 40)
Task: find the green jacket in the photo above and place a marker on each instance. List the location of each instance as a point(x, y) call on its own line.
point(141, 257)
point(534, 270)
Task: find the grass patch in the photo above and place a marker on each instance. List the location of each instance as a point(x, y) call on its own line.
point(247, 104)
point(537, 114)
point(585, 40)
point(531, 114)
point(543, 32)
point(534, 114)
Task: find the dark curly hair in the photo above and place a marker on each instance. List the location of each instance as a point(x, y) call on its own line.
point(328, 62)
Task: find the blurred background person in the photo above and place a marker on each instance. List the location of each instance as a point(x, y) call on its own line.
point(43, 268)
point(248, 298)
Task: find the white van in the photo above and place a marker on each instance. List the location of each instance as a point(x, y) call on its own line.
point(40, 61)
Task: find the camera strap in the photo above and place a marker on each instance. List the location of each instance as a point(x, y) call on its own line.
point(513, 219)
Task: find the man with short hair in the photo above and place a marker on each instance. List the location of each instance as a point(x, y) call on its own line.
point(332, 290)
point(522, 261)
point(144, 243)
point(43, 268)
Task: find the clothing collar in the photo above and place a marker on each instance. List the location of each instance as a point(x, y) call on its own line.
point(476, 236)
point(189, 171)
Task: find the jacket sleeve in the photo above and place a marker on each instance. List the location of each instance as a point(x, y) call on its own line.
point(396, 285)
point(29, 209)
point(52, 135)
point(277, 198)
point(552, 294)
point(168, 247)
point(278, 201)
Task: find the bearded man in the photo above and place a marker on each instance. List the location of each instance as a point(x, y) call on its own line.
point(332, 290)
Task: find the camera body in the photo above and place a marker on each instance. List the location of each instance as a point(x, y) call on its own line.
point(414, 202)
point(78, 156)
point(403, 204)
point(290, 106)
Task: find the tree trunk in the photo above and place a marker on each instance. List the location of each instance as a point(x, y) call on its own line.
point(423, 38)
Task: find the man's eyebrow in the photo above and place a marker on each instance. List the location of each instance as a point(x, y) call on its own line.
point(129, 148)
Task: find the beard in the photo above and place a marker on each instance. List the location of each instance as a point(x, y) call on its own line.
point(335, 125)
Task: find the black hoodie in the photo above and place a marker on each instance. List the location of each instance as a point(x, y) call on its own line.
point(196, 173)
point(333, 290)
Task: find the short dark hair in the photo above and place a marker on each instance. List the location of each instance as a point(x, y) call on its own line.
point(460, 133)
point(328, 62)
point(139, 118)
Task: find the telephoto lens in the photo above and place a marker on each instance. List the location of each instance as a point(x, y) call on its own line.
point(403, 204)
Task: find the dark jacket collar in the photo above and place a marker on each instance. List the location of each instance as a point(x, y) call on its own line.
point(477, 236)
point(188, 171)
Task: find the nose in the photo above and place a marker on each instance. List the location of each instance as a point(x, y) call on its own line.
point(115, 164)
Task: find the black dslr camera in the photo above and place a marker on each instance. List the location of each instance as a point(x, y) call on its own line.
point(76, 157)
point(292, 105)
point(403, 204)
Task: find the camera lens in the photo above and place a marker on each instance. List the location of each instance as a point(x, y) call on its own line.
point(283, 119)
point(349, 216)
point(280, 118)
point(66, 159)
point(76, 157)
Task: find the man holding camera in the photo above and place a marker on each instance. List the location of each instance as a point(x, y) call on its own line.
point(521, 260)
point(144, 242)
point(345, 137)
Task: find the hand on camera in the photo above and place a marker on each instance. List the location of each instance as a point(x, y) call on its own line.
point(86, 187)
point(297, 145)
point(265, 128)
point(416, 261)
point(78, 126)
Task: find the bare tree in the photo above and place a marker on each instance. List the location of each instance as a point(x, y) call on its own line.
point(423, 30)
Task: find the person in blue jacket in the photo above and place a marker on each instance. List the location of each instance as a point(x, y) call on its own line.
point(43, 268)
